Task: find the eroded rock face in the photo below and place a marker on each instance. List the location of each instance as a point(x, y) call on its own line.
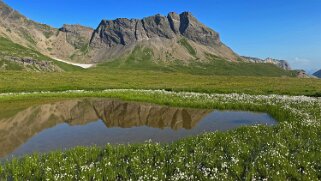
point(111, 33)
point(174, 21)
point(158, 27)
point(17, 129)
point(162, 34)
point(192, 29)
point(77, 35)
point(127, 31)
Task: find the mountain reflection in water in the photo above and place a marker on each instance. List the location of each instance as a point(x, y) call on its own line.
point(87, 122)
point(16, 130)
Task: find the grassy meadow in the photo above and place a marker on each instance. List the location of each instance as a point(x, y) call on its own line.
point(139, 71)
point(100, 79)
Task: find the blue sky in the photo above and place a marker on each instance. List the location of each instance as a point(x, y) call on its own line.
point(283, 29)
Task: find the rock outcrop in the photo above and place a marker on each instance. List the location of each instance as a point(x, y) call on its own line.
point(77, 35)
point(192, 29)
point(30, 64)
point(280, 63)
point(302, 74)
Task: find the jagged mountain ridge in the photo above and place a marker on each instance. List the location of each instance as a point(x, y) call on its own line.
point(172, 38)
point(160, 33)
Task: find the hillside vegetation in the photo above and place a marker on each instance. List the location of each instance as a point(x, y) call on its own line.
point(95, 79)
point(16, 57)
point(142, 58)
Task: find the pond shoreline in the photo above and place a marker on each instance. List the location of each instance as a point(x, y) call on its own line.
point(67, 124)
point(247, 153)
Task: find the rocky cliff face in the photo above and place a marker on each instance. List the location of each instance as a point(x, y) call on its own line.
point(317, 74)
point(77, 35)
point(161, 34)
point(127, 31)
point(280, 63)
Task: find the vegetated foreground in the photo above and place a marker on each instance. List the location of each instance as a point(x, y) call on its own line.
point(287, 151)
point(100, 79)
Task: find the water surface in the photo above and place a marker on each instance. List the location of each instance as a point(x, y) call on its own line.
point(86, 122)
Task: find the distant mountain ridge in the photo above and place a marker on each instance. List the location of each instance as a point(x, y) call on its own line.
point(318, 74)
point(280, 63)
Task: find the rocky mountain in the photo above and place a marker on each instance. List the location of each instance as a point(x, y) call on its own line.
point(22, 39)
point(318, 74)
point(171, 37)
point(23, 31)
point(280, 63)
point(53, 42)
point(175, 42)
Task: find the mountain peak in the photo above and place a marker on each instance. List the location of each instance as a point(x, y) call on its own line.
point(73, 27)
point(161, 32)
point(157, 26)
point(186, 14)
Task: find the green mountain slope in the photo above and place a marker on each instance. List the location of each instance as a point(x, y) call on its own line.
point(17, 57)
point(143, 59)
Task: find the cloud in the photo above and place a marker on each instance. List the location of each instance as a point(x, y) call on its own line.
point(304, 63)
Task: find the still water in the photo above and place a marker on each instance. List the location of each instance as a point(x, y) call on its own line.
point(86, 122)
